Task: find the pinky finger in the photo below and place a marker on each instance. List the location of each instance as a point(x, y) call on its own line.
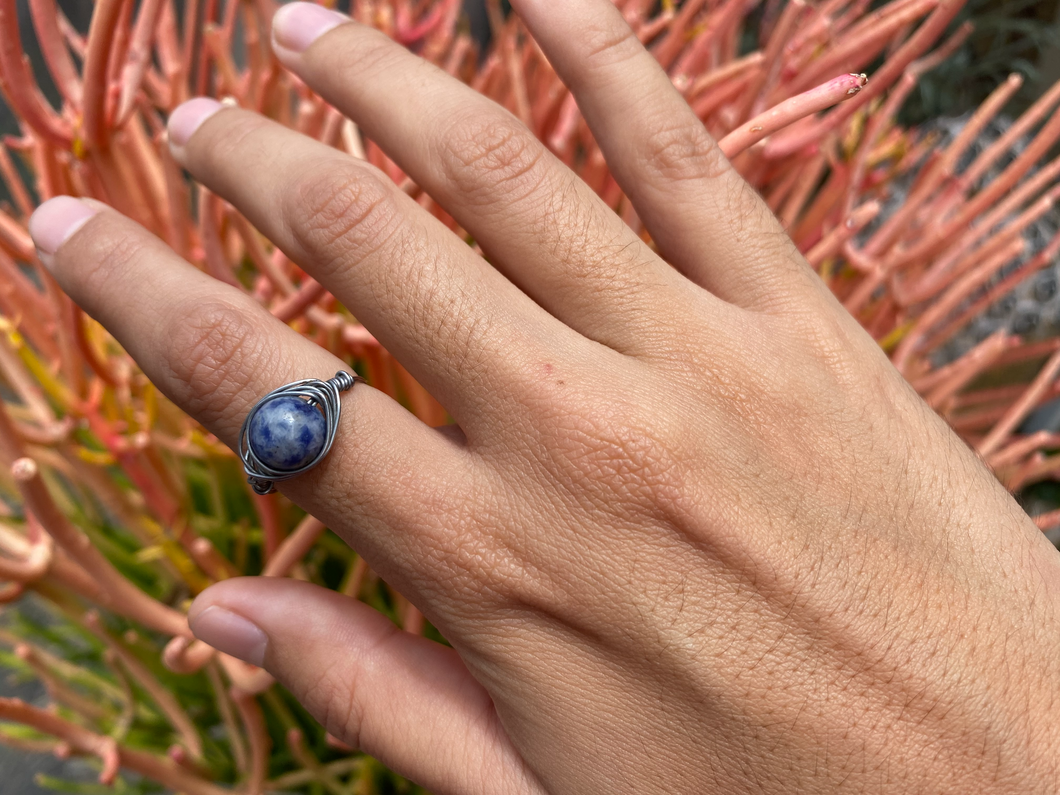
point(406, 700)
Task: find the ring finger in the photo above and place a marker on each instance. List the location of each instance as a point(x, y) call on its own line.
point(215, 352)
point(460, 327)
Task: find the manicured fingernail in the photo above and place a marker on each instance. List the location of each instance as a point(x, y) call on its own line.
point(188, 117)
point(230, 633)
point(297, 25)
point(55, 221)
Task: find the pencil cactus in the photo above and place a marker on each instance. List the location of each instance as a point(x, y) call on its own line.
point(118, 508)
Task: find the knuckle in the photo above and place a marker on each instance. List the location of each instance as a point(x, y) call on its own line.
point(472, 567)
point(333, 697)
point(209, 348)
point(685, 152)
point(474, 544)
point(622, 456)
point(482, 154)
point(464, 543)
point(611, 44)
point(339, 209)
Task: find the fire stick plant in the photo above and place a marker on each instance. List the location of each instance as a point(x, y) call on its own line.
point(118, 508)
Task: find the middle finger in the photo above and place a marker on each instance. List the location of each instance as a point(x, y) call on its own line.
point(538, 222)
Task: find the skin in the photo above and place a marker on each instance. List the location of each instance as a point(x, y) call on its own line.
point(692, 531)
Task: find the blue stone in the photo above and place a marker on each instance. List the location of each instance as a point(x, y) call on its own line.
point(286, 433)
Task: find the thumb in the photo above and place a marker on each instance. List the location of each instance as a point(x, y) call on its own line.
point(406, 700)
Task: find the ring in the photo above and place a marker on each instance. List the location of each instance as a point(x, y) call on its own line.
point(291, 429)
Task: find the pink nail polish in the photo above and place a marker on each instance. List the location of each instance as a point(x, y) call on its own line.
point(189, 116)
point(55, 221)
point(297, 25)
point(230, 633)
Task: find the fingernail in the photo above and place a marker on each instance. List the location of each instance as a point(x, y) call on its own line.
point(54, 222)
point(230, 633)
point(297, 25)
point(188, 117)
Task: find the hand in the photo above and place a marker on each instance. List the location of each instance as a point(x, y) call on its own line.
point(694, 533)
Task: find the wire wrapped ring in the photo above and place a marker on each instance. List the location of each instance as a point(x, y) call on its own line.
point(291, 430)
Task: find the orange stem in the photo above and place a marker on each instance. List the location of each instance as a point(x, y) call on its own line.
point(117, 593)
point(101, 33)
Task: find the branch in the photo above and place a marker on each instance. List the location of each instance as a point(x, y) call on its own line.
point(60, 691)
point(182, 655)
point(831, 243)
point(117, 593)
point(139, 57)
point(21, 89)
point(1021, 408)
point(100, 39)
point(1047, 521)
point(15, 184)
point(926, 35)
point(977, 360)
point(254, 722)
point(790, 111)
point(165, 700)
point(294, 547)
point(1023, 447)
point(36, 561)
point(53, 48)
point(863, 42)
point(80, 740)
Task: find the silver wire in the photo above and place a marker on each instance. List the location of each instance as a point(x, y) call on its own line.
point(323, 394)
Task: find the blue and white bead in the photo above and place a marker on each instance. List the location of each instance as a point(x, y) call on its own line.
point(287, 433)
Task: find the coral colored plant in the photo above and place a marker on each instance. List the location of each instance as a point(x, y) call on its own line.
point(119, 508)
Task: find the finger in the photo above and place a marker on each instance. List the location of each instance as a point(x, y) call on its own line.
point(464, 331)
point(406, 700)
point(215, 352)
point(704, 217)
point(540, 224)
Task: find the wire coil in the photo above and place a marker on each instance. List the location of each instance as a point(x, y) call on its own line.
point(324, 395)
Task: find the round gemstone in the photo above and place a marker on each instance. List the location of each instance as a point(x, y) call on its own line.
point(286, 433)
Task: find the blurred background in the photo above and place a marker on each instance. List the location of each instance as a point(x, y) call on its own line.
point(1010, 36)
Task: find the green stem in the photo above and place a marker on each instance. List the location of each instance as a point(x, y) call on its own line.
point(300, 778)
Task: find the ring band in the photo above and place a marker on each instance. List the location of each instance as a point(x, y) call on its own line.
point(291, 429)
